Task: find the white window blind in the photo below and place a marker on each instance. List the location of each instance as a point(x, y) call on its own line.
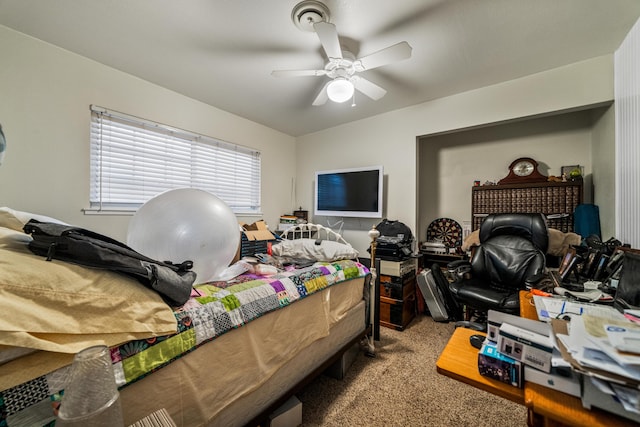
point(133, 160)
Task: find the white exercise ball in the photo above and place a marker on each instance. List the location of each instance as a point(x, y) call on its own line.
point(187, 224)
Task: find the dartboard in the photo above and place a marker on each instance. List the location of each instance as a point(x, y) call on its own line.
point(446, 230)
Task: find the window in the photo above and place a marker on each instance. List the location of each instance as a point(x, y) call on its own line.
point(133, 160)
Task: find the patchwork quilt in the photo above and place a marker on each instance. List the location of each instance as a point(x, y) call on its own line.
point(213, 309)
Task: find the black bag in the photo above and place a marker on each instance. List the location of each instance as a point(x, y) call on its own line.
point(628, 291)
point(79, 246)
point(395, 240)
point(394, 232)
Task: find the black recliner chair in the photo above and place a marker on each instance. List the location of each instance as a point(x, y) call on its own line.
point(511, 257)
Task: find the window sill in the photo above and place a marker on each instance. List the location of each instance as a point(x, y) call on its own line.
point(117, 212)
point(131, 211)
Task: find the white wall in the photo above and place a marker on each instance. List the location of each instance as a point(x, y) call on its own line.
point(604, 167)
point(44, 110)
point(449, 163)
point(390, 138)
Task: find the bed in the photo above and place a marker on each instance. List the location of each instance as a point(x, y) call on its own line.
point(230, 356)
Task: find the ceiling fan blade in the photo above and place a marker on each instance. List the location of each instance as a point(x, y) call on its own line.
point(368, 88)
point(322, 97)
point(390, 54)
point(298, 73)
point(328, 36)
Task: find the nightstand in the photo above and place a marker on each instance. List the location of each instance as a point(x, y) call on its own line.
point(398, 292)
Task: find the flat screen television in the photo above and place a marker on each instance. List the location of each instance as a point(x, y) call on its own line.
point(353, 192)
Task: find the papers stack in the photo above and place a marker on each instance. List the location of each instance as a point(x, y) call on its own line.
point(561, 308)
point(602, 344)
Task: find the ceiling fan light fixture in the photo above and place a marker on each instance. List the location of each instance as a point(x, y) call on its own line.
point(340, 90)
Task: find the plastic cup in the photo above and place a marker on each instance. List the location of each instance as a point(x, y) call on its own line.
point(91, 395)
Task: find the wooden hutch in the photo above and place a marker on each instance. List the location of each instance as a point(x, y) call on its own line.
point(556, 200)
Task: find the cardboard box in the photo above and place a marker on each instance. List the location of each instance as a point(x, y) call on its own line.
point(566, 381)
point(257, 231)
point(496, 318)
point(254, 239)
point(493, 364)
point(526, 346)
point(288, 415)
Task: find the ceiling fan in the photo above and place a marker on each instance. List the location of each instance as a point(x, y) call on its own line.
point(343, 67)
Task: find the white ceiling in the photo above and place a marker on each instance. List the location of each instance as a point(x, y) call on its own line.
point(222, 52)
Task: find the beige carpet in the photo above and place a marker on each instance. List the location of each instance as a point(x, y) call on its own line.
point(400, 387)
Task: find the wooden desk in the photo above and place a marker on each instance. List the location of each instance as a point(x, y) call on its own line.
point(553, 408)
point(546, 407)
point(459, 360)
point(428, 259)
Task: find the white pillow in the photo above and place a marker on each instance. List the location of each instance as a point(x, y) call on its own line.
point(16, 220)
point(14, 239)
point(320, 250)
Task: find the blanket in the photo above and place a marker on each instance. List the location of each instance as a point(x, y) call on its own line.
point(558, 241)
point(213, 310)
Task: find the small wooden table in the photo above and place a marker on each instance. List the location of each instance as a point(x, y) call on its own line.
point(546, 407)
point(459, 360)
